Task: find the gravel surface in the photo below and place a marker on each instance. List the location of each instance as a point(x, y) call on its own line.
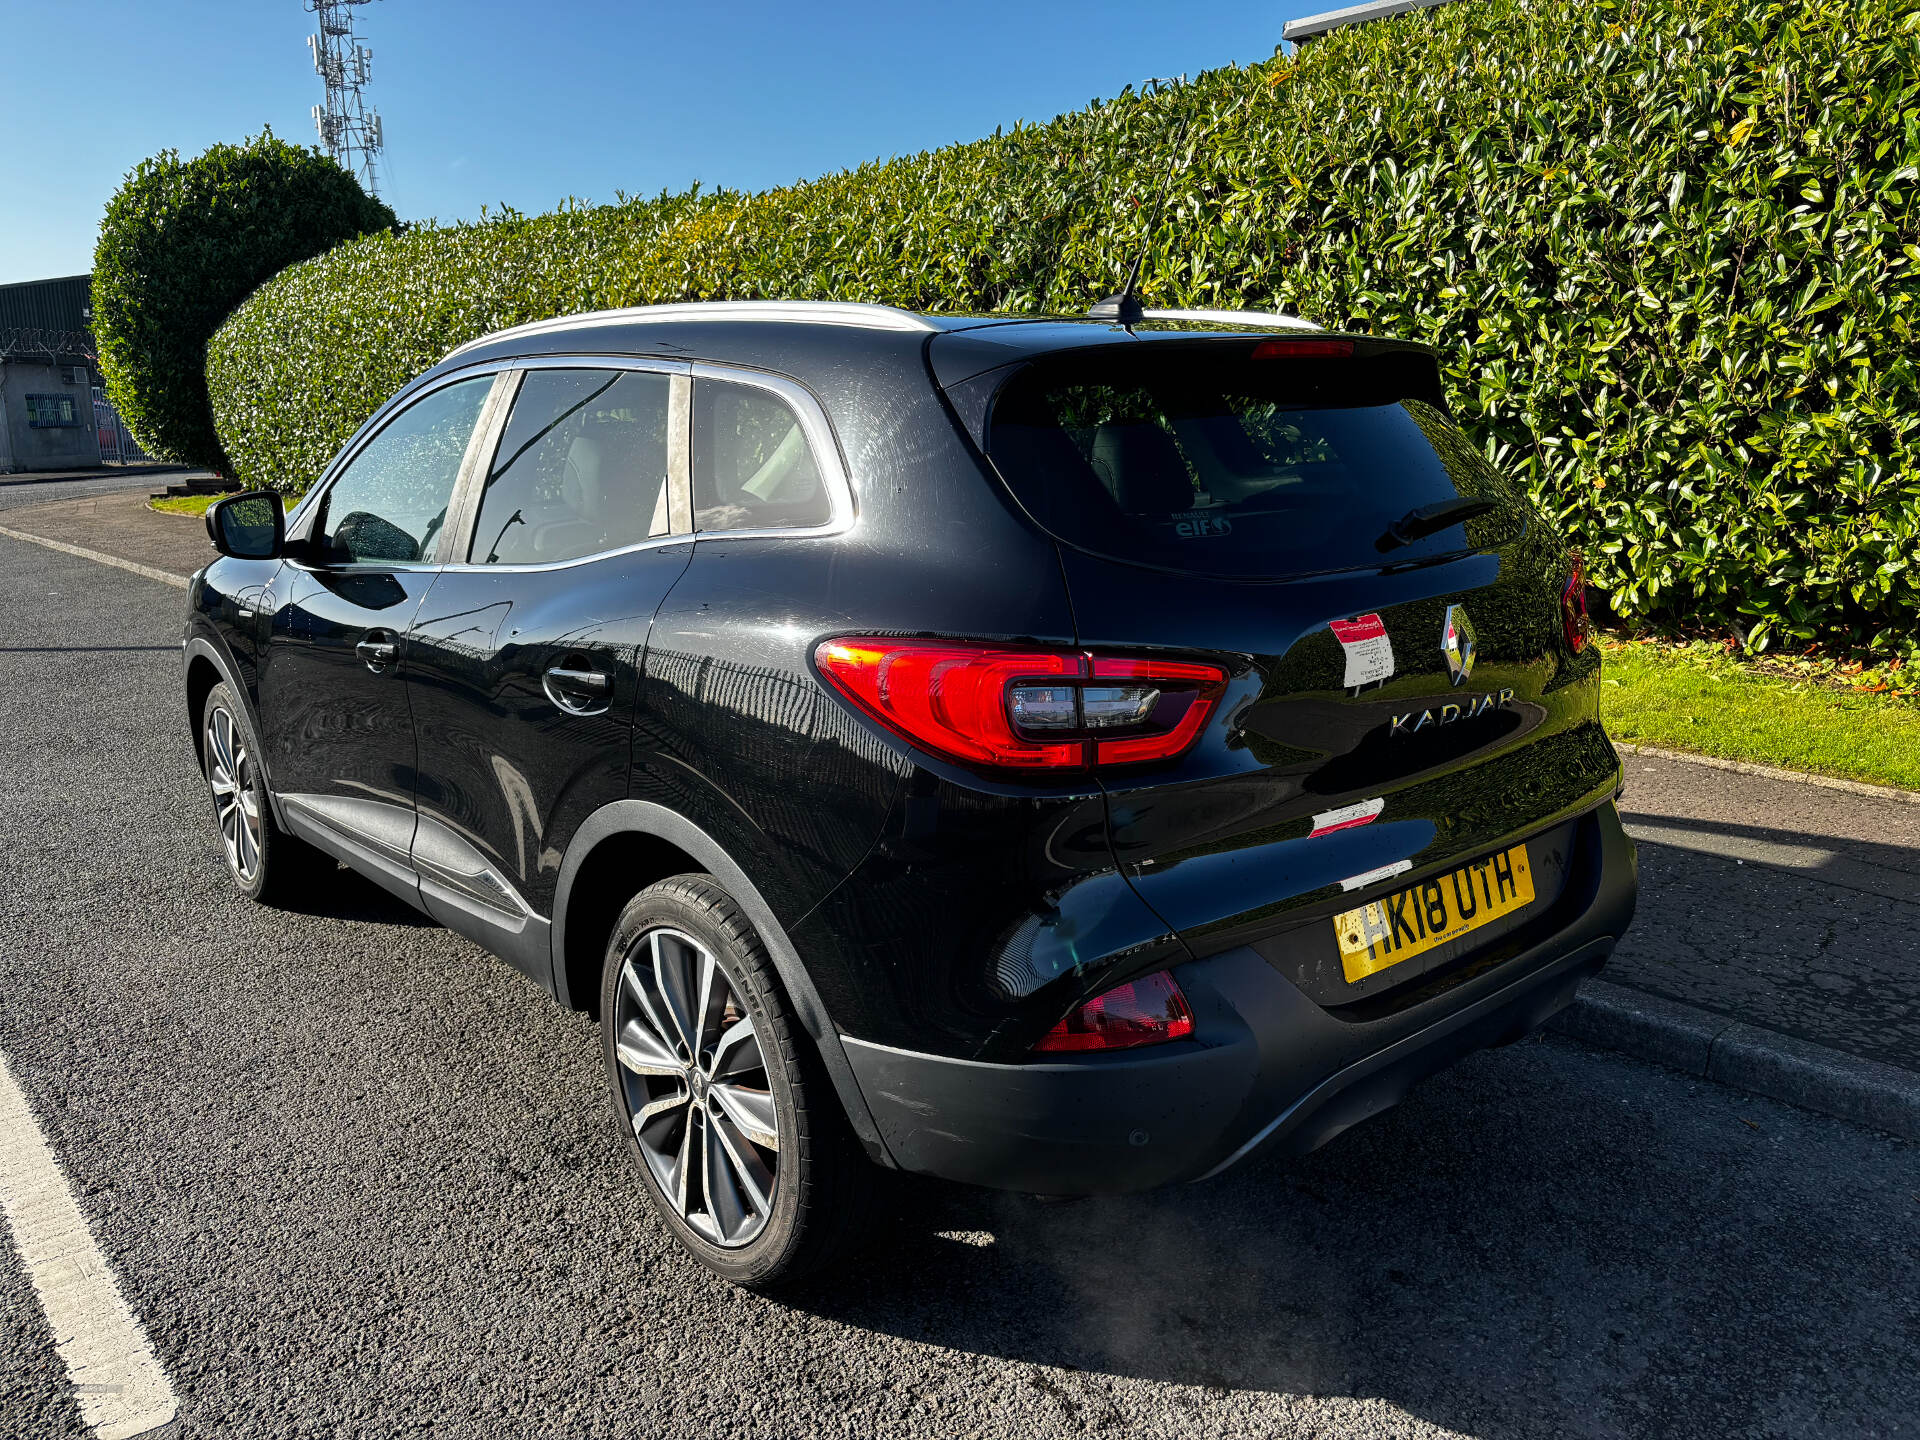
point(358, 1178)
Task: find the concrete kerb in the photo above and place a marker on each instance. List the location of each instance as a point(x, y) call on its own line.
point(1745, 1057)
point(1770, 772)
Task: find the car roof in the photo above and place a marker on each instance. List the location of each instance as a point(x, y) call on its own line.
point(653, 326)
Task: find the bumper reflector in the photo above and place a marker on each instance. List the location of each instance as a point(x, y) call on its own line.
point(1147, 1011)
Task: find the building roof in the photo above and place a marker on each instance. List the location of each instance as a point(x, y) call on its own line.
point(65, 303)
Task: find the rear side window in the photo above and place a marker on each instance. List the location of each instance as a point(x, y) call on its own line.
point(752, 467)
point(389, 504)
point(1207, 459)
point(581, 468)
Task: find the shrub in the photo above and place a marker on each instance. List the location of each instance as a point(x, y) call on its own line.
point(297, 368)
point(1665, 248)
point(183, 242)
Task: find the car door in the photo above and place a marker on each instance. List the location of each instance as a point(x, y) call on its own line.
point(523, 660)
point(333, 701)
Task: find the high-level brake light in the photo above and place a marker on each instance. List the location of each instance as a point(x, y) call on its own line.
point(1147, 1011)
point(1003, 706)
point(1304, 348)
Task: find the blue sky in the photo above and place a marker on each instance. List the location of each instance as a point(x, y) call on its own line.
point(527, 103)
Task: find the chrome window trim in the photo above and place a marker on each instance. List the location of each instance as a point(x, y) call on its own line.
point(680, 457)
point(679, 480)
point(657, 363)
point(1264, 319)
point(471, 567)
point(821, 441)
point(806, 312)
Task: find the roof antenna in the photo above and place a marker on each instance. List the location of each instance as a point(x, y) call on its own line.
point(1125, 308)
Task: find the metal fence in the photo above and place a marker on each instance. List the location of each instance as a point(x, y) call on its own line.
point(117, 444)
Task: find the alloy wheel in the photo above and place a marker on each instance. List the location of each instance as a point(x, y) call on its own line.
point(236, 795)
point(696, 1087)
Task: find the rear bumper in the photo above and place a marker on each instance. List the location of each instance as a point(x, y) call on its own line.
point(1267, 1071)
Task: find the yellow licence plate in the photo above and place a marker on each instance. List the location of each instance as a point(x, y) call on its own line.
point(1422, 917)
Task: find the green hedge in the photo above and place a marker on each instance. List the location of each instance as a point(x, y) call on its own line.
point(182, 243)
point(1667, 251)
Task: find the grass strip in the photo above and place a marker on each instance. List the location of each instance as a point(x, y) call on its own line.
point(1696, 698)
point(184, 504)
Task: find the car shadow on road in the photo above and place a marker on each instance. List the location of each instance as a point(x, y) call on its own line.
point(1506, 1254)
point(337, 893)
point(1889, 867)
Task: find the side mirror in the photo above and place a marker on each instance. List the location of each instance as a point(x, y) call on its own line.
point(248, 527)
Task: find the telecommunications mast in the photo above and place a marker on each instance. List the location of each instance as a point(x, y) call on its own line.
point(349, 129)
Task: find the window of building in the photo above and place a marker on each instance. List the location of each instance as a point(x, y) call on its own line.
point(51, 412)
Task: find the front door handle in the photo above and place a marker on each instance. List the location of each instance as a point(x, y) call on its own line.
point(379, 649)
point(578, 691)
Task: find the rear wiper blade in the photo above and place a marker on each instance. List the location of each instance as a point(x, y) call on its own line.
point(1424, 520)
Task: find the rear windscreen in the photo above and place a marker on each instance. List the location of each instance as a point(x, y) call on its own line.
point(1204, 458)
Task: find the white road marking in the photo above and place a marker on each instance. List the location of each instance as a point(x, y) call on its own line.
point(117, 1381)
point(164, 576)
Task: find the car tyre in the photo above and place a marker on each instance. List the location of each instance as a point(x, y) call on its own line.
point(266, 863)
point(720, 1099)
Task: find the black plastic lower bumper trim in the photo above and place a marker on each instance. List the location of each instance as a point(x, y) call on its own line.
point(1268, 1070)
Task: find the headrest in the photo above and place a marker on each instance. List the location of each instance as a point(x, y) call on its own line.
point(582, 485)
point(1142, 468)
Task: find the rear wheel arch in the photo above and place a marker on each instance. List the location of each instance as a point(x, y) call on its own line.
point(629, 844)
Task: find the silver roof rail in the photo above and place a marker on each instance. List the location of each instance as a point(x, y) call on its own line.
point(809, 312)
point(1312, 27)
point(1261, 318)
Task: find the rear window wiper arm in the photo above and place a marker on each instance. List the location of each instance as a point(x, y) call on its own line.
point(1424, 520)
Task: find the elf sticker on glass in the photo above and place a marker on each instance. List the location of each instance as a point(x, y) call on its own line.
point(1369, 652)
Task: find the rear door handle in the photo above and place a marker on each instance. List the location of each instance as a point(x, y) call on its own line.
point(578, 691)
point(379, 649)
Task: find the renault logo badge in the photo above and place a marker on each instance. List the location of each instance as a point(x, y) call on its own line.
point(1457, 643)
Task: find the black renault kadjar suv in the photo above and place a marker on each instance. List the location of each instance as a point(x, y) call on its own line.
point(1052, 755)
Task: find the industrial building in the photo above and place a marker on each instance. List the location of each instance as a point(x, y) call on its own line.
point(54, 413)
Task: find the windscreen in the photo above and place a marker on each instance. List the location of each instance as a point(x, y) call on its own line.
point(1205, 458)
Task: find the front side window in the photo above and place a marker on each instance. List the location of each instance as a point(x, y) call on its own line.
point(390, 503)
point(581, 468)
point(752, 468)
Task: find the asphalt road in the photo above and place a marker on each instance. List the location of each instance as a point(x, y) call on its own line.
point(16, 491)
point(357, 1178)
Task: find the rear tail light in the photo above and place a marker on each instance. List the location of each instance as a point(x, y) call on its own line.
point(987, 704)
point(1574, 620)
point(1147, 1011)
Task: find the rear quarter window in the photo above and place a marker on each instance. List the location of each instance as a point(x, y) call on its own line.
point(1203, 458)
